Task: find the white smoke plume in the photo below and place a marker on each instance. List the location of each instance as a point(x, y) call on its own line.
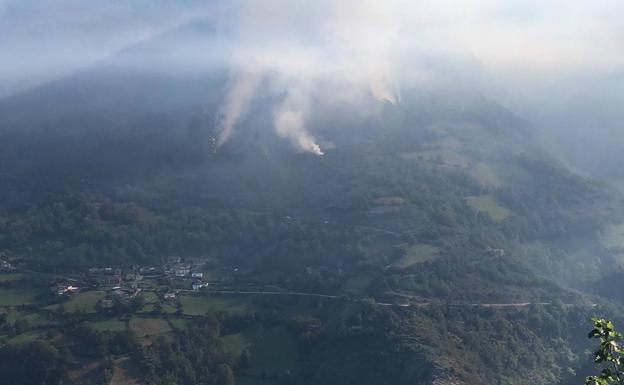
point(350, 42)
point(289, 120)
point(239, 95)
point(518, 49)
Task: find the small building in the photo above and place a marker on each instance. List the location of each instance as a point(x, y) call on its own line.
point(62, 290)
point(197, 275)
point(199, 285)
point(169, 296)
point(181, 270)
point(126, 292)
point(134, 277)
point(106, 280)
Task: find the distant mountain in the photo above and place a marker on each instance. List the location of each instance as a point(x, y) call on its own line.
point(446, 196)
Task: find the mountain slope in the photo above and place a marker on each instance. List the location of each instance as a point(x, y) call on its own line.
point(443, 203)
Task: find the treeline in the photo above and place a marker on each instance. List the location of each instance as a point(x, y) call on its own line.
point(195, 356)
point(187, 357)
point(81, 230)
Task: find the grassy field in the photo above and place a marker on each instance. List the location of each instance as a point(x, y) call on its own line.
point(169, 308)
point(34, 319)
point(488, 205)
point(417, 254)
point(10, 277)
point(484, 174)
point(202, 305)
point(84, 301)
point(25, 338)
point(178, 323)
point(149, 326)
point(235, 344)
point(111, 325)
point(16, 296)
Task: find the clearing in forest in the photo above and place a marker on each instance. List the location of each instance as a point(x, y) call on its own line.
point(149, 326)
point(418, 253)
point(488, 205)
point(485, 176)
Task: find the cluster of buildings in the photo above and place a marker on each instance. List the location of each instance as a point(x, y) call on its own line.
point(105, 276)
point(177, 269)
point(125, 284)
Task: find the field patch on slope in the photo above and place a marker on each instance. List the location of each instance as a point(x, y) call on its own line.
point(149, 326)
point(84, 301)
point(487, 204)
point(484, 175)
point(16, 296)
point(417, 254)
point(110, 325)
point(192, 305)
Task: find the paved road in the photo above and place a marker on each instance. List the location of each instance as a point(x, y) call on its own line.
point(414, 301)
point(293, 293)
point(421, 301)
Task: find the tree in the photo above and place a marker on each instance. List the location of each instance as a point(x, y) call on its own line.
point(609, 354)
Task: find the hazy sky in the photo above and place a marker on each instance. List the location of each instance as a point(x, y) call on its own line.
point(536, 37)
point(362, 46)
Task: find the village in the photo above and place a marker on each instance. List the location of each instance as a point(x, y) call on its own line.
point(124, 284)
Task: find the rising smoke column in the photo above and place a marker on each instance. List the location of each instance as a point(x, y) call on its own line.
point(294, 45)
point(240, 92)
point(368, 32)
point(289, 119)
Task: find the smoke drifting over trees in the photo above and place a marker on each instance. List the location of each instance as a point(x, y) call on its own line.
point(516, 51)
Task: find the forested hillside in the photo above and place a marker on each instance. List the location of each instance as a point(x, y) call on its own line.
point(435, 241)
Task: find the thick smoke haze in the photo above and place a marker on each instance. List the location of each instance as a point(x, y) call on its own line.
point(523, 53)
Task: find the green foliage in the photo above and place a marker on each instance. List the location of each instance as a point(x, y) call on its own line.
point(80, 230)
point(35, 363)
point(609, 353)
point(195, 356)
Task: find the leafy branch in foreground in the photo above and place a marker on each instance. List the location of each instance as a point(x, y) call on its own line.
point(609, 354)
